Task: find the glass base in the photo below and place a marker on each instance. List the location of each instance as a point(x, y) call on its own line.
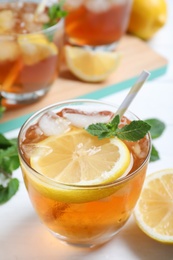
point(85, 243)
point(26, 98)
point(106, 47)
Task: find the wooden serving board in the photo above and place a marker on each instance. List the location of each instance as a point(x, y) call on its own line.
point(136, 56)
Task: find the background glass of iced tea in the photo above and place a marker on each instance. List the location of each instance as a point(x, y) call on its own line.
point(29, 54)
point(96, 22)
point(81, 215)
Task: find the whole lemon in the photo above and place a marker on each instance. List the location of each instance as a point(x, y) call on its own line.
point(147, 17)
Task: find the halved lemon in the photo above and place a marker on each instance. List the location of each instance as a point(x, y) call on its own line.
point(35, 48)
point(154, 210)
point(91, 66)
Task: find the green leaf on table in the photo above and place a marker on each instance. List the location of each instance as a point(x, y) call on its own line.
point(4, 142)
point(9, 161)
point(2, 110)
point(154, 154)
point(157, 127)
point(6, 192)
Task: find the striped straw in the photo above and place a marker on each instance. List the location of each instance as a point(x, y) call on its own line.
point(132, 93)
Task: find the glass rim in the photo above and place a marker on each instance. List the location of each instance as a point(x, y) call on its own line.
point(57, 184)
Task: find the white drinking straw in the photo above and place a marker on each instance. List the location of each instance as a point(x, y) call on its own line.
point(132, 93)
point(41, 7)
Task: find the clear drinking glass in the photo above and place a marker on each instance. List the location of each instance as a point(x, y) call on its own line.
point(30, 53)
point(83, 215)
point(96, 23)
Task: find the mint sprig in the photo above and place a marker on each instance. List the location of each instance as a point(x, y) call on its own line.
point(9, 161)
point(55, 12)
point(134, 131)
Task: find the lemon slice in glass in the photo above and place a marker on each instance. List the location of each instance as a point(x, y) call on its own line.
point(81, 159)
point(75, 164)
point(35, 48)
point(91, 66)
point(154, 210)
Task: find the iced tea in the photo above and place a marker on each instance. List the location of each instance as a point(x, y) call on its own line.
point(96, 22)
point(80, 213)
point(29, 54)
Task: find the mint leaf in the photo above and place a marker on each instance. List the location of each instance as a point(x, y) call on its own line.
point(114, 123)
point(104, 130)
point(132, 132)
point(6, 192)
point(157, 127)
point(101, 130)
point(154, 154)
point(135, 131)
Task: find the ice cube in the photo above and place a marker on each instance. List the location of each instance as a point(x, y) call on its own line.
point(52, 124)
point(142, 151)
point(35, 150)
point(9, 50)
point(73, 4)
point(6, 21)
point(98, 6)
point(42, 18)
point(124, 121)
point(34, 134)
point(139, 149)
point(28, 17)
point(83, 119)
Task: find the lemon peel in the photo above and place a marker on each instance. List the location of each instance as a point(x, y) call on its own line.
point(91, 66)
point(153, 212)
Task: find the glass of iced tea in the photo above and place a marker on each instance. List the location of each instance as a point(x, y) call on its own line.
point(83, 188)
point(96, 23)
point(30, 50)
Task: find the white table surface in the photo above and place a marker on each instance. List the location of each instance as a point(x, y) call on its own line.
point(22, 237)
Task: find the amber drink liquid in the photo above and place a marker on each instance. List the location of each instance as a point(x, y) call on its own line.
point(96, 22)
point(85, 215)
point(30, 55)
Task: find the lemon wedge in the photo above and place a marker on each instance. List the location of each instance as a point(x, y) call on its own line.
point(154, 210)
point(35, 48)
point(91, 66)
